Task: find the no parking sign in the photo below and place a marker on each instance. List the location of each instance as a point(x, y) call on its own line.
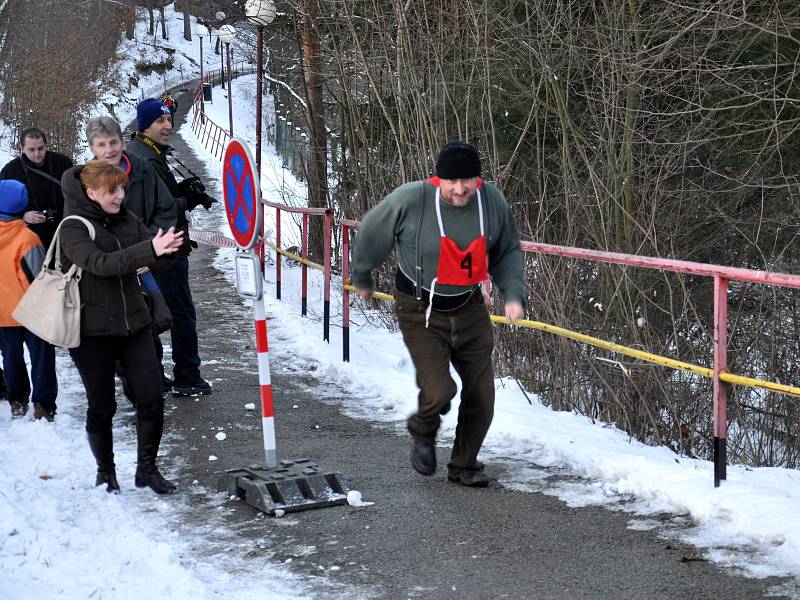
point(242, 193)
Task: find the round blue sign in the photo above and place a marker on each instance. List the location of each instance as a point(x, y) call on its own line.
point(242, 193)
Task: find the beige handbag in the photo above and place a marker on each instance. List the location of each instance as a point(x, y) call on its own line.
point(51, 306)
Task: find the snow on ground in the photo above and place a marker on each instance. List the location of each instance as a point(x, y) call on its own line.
point(750, 523)
point(62, 538)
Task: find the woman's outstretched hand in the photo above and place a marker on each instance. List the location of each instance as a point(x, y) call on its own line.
point(167, 243)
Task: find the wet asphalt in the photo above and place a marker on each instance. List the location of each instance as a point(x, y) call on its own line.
point(424, 537)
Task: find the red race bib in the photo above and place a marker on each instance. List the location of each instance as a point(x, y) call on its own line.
point(462, 267)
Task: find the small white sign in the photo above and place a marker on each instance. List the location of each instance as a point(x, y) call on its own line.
point(248, 275)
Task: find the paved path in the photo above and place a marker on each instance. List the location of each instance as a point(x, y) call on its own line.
point(424, 537)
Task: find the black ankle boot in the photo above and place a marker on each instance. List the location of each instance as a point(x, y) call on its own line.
point(102, 445)
point(109, 478)
point(423, 458)
point(149, 432)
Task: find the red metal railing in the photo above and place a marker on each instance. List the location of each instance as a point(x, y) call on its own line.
point(327, 215)
point(721, 276)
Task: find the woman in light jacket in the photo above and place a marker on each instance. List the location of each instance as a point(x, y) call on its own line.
point(115, 321)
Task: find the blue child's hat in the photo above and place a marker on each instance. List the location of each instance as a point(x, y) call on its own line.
point(13, 198)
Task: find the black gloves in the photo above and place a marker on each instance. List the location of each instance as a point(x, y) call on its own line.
point(193, 190)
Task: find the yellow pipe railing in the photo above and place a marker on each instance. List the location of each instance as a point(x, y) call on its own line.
point(751, 382)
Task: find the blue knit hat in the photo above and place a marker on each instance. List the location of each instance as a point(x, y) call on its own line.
point(13, 198)
point(148, 110)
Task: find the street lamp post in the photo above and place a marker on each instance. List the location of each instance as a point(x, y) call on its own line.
point(261, 13)
point(220, 17)
point(201, 31)
point(226, 35)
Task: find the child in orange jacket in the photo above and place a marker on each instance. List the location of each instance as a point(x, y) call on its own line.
point(21, 257)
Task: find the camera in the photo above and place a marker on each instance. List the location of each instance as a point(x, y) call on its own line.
point(195, 193)
point(192, 185)
point(49, 213)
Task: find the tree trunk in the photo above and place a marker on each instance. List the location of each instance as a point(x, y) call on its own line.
point(187, 25)
point(317, 147)
point(164, 34)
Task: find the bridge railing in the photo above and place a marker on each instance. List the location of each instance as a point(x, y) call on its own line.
point(721, 276)
point(216, 137)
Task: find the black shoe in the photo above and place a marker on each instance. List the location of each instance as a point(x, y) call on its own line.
point(109, 479)
point(18, 409)
point(152, 478)
point(40, 412)
point(167, 383)
point(468, 477)
point(198, 388)
point(423, 458)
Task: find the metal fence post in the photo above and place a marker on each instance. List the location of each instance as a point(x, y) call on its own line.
point(304, 267)
point(278, 255)
point(719, 386)
point(326, 319)
point(345, 292)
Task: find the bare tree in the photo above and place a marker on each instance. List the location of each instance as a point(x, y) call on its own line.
point(659, 128)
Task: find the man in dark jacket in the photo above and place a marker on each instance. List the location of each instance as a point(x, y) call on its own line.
point(40, 170)
point(154, 128)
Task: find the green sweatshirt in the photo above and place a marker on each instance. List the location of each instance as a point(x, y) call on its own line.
point(393, 223)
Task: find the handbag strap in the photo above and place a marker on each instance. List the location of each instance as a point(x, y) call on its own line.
point(55, 245)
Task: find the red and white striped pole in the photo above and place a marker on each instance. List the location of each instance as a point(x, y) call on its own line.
point(265, 384)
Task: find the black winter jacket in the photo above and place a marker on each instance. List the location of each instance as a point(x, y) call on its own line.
point(148, 197)
point(155, 156)
point(43, 192)
point(111, 296)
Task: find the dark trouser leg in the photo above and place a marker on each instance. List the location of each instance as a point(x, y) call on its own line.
point(16, 373)
point(95, 359)
point(43, 371)
point(174, 286)
point(430, 352)
point(2, 386)
point(138, 360)
point(472, 359)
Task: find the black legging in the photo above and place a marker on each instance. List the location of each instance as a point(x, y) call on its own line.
point(95, 359)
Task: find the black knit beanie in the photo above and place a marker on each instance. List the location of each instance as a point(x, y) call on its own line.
point(458, 160)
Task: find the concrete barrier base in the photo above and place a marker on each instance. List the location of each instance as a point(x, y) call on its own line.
point(292, 486)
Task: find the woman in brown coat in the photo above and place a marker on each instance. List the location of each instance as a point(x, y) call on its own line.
point(115, 321)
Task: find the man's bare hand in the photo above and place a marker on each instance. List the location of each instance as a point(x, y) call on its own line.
point(34, 217)
point(514, 311)
point(365, 294)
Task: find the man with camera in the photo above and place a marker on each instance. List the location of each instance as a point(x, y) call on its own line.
point(40, 170)
point(151, 143)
